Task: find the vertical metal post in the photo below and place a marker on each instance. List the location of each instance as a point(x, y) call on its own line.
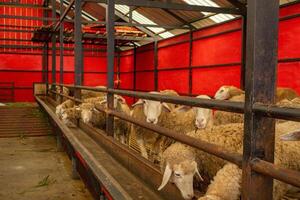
point(155, 65)
point(110, 29)
point(244, 40)
point(61, 51)
point(61, 47)
point(45, 48)
point(78, 47)
point(134, 70)
point(190, 63)
point(262, 48)
point(118, 68)
point(53, 47)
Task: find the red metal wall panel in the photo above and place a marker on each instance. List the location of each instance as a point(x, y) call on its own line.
point(173, 56)
point(222, 49)
point(208, 80)
point(177, 80)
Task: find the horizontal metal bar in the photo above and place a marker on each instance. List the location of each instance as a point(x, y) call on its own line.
point(62, 17)
point(273, 111)
point(16, 30)
point(10, 4)
point(27, 18)
point(292, 114)
point(202, 145)
point(134, 24)
point(266, 168)
point(286, 175)
point(129, 38)
point(173, 6)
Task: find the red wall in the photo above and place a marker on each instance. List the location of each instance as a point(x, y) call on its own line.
point(216, 58)
point(215, 61)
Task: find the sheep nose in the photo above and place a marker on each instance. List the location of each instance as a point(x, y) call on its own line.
point(151, 120)
point(190, 196)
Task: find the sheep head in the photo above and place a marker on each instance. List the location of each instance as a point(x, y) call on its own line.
point(182, 175)
point(293, 136)
point(152, 109)
point(203, 116)
point(86, 112)
point(226, 92)
point(223, 93)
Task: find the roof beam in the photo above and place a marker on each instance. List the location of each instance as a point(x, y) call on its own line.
point(238, 5)
point(174, 6)
point(179, 19)
point(62, 17)
point(125, 18)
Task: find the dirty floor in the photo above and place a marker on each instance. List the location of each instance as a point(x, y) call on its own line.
point(32, 169)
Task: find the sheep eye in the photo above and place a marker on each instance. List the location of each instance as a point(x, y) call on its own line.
point(222, 91)
point(177, 175)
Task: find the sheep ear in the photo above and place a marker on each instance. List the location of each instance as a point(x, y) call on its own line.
point(166, 177)
point(103, 102)
point(121, 99)
point(197, 171)
point(139, 102)
point(165, 105)
point(293, 136)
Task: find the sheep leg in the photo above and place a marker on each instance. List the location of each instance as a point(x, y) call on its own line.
point(141, 144)
point(225, 185)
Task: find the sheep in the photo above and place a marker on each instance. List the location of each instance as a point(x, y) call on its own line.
point(70, 116)
point(89, 114)
point(181, 119)
point(152, 112)
point(292, 136)
point(285, 93)
point(228, 136)
point(61, 107)
point(65, 91)
point(222, 117)
point(2, 104)
point(85, 94)
point(170, 93)
point(226, 92)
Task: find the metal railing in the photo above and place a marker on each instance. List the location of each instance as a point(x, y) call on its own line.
point(269, 169)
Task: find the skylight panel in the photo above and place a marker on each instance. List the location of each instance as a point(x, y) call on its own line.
point(136, 16)
point(166, 35)
point(216, 18)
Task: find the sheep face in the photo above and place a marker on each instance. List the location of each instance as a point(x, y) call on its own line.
point(203, 117)
point(66, 119)
point(293, 136)
point(58, 110)
point(223, 93)
point(182, 175)
point(86, 115)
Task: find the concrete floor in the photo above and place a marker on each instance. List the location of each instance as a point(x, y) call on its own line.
point(32, 169)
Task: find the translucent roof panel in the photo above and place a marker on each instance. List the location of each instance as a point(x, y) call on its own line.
point(139, 18)
point(216, 18)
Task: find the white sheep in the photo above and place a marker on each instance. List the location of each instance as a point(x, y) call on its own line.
point(70, 116)
point(2, 104)
point(85, 94)
point(226, 178)
point(152, 112)
point(181, 119)
point(226, 92)
point(285, 93)
point(61, 107)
